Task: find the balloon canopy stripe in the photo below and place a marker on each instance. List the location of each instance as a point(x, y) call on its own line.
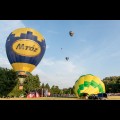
point(23, 67)
point(37, 35)
point(82, 87)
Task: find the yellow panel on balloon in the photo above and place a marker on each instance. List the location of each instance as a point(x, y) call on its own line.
point(23, 67)
point(18, 32)
point(93, 90)
point(89, 90)
point(79, 82)
point(26, 47)
point(103, 86)
point(96, 79)
point(88, 78)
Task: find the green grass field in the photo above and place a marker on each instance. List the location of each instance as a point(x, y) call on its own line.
point(41, 98)
point(56, 98)
point(113, 97)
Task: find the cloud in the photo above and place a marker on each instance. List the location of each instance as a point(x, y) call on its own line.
point(6, 27)
point(47, 62)
point(47, 46)
point(4, 63)
point(57, 72)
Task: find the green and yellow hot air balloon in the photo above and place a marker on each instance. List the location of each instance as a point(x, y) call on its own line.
point(88, 84)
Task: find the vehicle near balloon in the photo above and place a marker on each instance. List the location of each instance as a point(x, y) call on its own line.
point(25, 48)
point(88, 84)
point(99, 96)
point(102, 96)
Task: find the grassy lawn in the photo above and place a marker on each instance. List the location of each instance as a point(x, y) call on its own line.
point(41, 98)
point(56, 98)
point(113, 97)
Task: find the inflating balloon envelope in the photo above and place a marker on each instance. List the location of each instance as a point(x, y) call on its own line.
point(25, 48)
point(88, 84)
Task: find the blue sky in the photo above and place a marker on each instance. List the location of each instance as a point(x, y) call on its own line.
point(94, 48)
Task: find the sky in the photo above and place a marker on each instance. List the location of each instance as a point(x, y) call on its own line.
point(94, 49)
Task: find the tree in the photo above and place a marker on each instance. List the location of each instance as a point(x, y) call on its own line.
point(112, 84)
point(43, 85)
point(9, 84)
point(32, 83)
point(47, 87)
point(55, 90)
point(7, 81)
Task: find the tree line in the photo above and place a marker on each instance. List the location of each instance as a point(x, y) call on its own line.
point(9, 84)
point(112, 84)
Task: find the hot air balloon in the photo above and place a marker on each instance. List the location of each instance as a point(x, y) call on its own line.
point(25, 48)
point(67, 58)
point(88, 84)
point(71, 33)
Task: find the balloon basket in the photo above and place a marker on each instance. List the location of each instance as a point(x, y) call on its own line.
point(22, 74)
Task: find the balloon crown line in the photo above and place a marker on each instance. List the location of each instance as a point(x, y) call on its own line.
point(29, 35)
point(25, 30)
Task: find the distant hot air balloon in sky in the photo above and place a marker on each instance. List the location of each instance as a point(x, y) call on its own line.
point(89, 84)
point(25, 48)
point(71, 33)
point(67, 58)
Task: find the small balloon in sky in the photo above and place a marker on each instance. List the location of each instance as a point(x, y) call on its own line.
point(71, 33)
point(67, 58)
